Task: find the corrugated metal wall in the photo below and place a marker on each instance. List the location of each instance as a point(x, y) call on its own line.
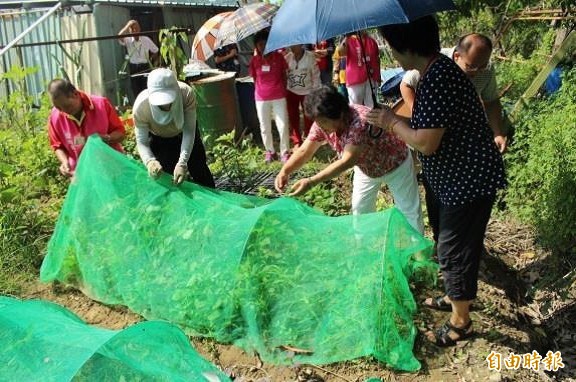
point(83, 63)
point(109, 20)
point(44, 57)
point(100, 61)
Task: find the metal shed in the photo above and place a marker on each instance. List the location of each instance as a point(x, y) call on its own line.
point(94, 62)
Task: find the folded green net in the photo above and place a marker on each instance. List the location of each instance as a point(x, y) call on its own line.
point(270, 276)
point(42, 341)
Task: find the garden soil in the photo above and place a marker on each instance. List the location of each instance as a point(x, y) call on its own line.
point(509, 316)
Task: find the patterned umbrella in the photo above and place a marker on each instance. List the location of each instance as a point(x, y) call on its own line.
point(245, 21)
point(205, 40)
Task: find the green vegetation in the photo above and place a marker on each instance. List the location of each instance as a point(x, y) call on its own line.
point(31, 190)
point(241, 163)
point(171, 48)
point(542, 168)
point(541, 161)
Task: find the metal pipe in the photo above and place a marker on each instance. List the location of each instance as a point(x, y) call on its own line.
point(17, 13)
point(30, 28)
point(188, 31)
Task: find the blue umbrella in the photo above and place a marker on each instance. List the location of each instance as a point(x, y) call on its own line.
point(311, 21)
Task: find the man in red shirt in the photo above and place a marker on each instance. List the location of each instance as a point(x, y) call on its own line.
point(76, 116)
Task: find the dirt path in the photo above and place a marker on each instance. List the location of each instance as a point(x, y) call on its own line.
point(508, 318)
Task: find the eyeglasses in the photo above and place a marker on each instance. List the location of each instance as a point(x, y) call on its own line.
point(469, 68)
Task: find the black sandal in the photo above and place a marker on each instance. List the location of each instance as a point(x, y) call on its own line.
point(439, 303)
point(443, 338)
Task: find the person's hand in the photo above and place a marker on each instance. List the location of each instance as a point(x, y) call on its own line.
point(501, 143)
point(154, 168)
point(65, 170)
point(281, 182)
point(301, 186)
point(180, 172)
point(336, 79)
point(105, 138)
point(320, 53)
point(382, 117)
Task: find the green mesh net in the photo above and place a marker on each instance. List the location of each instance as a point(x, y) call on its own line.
point(271, 276)
point(42, 341)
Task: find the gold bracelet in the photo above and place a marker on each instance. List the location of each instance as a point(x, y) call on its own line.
point(390, 127)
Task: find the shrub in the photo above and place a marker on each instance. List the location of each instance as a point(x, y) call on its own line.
point(542, 167)
point(31, 189)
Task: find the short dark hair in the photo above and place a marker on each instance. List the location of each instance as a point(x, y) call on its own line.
point(325, 102)
point(261, 36)
point(59, 87)
point(464, 43)
point(420, 36)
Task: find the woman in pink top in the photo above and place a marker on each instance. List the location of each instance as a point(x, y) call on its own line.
point(357, 80)
point(269, 73)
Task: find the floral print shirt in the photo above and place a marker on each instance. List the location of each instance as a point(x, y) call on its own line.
point(381, 154)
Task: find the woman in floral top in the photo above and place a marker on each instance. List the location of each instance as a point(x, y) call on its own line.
point(376, 159)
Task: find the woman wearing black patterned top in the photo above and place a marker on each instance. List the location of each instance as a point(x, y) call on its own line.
point(460, 161)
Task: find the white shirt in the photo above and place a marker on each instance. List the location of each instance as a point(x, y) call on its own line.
point(303, 75)
point(484, 81)
point(145, 124)
point(139, 51)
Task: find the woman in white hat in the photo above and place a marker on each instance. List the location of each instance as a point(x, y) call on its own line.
point(166, 135)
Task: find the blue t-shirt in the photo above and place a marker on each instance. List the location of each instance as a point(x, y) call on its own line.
point(467, 165)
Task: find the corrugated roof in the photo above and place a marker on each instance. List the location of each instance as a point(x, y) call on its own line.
point(12, 4)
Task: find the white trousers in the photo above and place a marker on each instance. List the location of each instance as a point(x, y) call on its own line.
point(266, 110)
point(360, 94)
point(402, 184)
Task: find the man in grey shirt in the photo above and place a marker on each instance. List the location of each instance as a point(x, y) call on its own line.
point(472, 55)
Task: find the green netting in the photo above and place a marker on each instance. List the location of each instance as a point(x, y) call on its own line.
point(262, 274)
point(42, 341)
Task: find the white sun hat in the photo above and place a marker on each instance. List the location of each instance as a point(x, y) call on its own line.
point(162, 87)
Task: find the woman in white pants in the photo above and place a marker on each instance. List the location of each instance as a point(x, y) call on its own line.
point(269, 72)
point(377, 156)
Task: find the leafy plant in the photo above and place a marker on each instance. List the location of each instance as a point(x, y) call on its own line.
point(31, 190)
point(75, 56)
point(17, 110)
point(239, 162)
point(171, 50)
point(129, 143)
point(542, 167)
point(519, 72)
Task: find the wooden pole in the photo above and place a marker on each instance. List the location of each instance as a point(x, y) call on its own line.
point(567, 47)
